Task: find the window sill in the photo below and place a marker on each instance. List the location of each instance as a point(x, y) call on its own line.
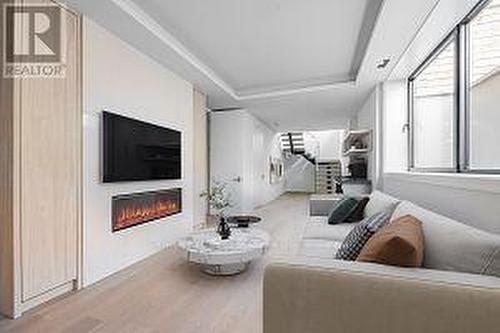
point(469, 182)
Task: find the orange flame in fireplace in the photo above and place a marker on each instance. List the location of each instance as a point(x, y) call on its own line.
point(134, 214)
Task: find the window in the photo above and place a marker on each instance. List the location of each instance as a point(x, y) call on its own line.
point(434, 106)
point(484, 88)
point(454, 117)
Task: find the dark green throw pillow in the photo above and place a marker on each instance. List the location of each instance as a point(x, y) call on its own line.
point(358, 213)
point(342, 210)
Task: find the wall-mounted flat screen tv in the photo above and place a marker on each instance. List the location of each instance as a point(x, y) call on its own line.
point(134, 150)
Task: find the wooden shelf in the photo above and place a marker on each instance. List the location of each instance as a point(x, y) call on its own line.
point(356, 133)
point(363, 135)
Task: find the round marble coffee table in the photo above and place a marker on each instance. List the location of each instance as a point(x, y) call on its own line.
point(224, 257)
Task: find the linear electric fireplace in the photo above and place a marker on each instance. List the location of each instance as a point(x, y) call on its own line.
point(134, 209)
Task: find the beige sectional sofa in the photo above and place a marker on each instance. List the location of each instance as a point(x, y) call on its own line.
point(457, 290)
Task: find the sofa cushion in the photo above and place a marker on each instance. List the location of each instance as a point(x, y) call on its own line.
point(318, 220)
point(359, 212)
point(342, 210)
point(451, 245)
point(318, 248)
point(400, 243)
point(327, 231)
point(380, 202)
point(360, 234)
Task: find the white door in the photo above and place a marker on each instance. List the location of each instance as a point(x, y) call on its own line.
point(227, 149)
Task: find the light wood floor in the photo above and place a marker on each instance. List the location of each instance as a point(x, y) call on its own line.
point(165, 294)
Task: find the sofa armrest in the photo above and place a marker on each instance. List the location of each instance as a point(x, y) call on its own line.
point(347, 297)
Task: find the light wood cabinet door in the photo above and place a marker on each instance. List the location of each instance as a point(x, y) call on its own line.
point(50, 174)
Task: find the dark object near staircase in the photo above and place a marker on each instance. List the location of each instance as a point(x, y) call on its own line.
point(293, 143)
point(338, 187)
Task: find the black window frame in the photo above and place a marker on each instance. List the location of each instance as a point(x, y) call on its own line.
point(461, 35)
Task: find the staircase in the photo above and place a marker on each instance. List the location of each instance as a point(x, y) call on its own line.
point(293, 143)
point(299, 174)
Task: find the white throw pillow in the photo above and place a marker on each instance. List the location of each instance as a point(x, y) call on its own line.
point(454, 246)
point(379, 202)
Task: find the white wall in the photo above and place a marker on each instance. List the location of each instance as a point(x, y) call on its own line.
point(466, 198)
point(368, 117)
point(265, 144)
point(330, 144)
point(240, 147)
point(395, 137)
point(118, 78)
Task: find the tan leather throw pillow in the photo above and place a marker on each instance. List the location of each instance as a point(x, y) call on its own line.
point(400, 243)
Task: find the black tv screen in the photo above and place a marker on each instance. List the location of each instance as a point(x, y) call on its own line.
point(135, 150)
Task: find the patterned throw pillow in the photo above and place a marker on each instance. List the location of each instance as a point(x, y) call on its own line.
point(342, 210)
point(357, 238)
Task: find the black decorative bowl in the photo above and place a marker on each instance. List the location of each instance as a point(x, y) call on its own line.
point(243, 221)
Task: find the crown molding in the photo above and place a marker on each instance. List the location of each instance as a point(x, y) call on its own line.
point(150, 24)
point(312, 82)
point(302, 90)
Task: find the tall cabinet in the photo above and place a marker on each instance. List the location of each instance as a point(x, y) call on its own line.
point(327, 173)
point(40, 179)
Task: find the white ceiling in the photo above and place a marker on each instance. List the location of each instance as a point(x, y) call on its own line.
point(257, 45)
point(295, 64)
point(319, 110)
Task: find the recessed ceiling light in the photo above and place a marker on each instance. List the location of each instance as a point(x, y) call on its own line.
point(383, 63)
